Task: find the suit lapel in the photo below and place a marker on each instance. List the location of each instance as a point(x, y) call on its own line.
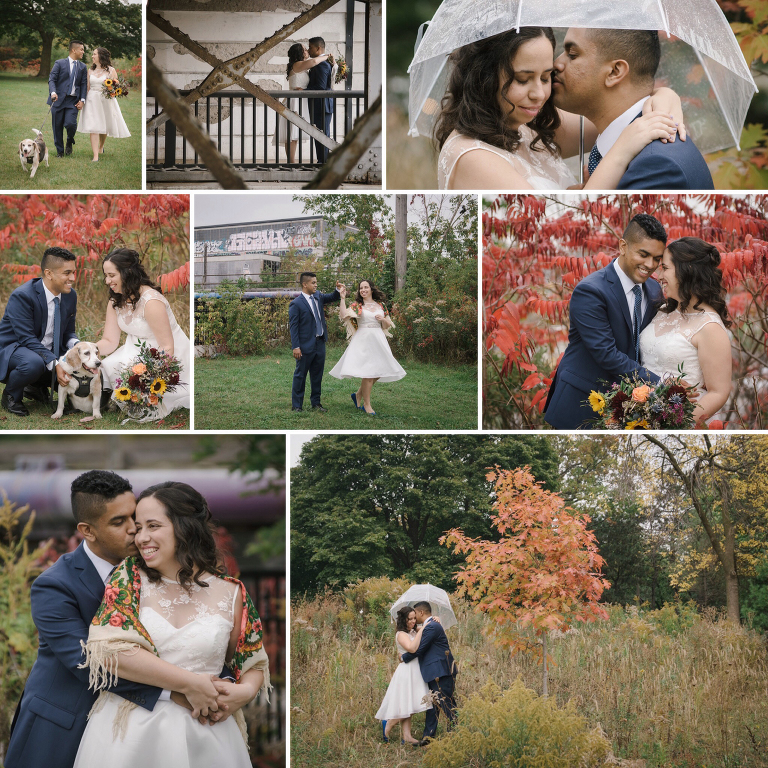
point(40, 291)
point(89, 576)
point(618, 292)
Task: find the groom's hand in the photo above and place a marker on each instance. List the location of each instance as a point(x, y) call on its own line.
point(231, 698)
point(297, 353)
point(79, 105)
point(62, 375)
point(54, 97)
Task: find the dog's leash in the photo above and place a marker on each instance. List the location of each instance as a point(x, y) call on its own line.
point(46, 117)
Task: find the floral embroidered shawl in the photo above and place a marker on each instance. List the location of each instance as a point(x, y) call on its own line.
point(349, 317)
point(116, 628)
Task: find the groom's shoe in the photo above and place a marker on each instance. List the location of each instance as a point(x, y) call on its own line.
point(294, 408)
point(9, 404)
point(320, 408)
point(36, 393)
point(68, 148)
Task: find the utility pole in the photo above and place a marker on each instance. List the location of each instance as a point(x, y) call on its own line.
point(401, 240)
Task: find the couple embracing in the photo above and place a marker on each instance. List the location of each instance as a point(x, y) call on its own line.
point(142, 616)
point(511, 114)
point(623, 323)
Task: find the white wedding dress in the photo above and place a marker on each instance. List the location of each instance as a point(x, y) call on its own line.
point(190, 629)
point(296, 81)
point(368, 355)
point(406, 692)
point(131, 321)
point(101, 115)
point(539, 167)
point(667, 342)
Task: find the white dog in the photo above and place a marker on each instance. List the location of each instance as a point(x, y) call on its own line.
point(33, 151)
point(84, 389)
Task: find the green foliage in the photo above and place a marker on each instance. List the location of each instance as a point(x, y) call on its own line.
point(18, 643)
point(516, 727)
point(754, 603)
point(269, 542)
point(364, 506)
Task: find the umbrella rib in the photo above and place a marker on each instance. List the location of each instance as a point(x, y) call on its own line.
point(735, 134)
point(664, 18)
point(519, 14)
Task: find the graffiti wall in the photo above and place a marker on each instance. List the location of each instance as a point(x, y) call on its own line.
point(271, 240)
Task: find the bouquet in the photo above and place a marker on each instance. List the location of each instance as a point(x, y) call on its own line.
point(635, 404)
point(141, 385)
point(342, 71)
point(114, 88)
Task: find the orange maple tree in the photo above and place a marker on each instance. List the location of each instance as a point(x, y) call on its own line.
point(537, 248)
point(543, 572)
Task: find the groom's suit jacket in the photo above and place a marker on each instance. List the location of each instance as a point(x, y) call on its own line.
point(433, 653)
point(301, 321)
point(60, 82)
point(600, 346)
point(676, 165)
point(51, 716)
point(25, 320)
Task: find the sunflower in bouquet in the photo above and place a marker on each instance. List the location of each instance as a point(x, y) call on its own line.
point(342, 71)
point(141, 385)
point(633, 403)
point(114, 88)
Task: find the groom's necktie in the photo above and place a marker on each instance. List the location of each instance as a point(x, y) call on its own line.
point(316, 312)
point(72, 71)
point(638, 291)
point(594, 159)
point(56, 325)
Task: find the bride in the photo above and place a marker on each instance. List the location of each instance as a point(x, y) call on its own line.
point(368, 356)
point(169, 618)
point(407, 693)
point(101, 117)
point(499, 106)
point(137, 308)
point(690, 327)
point(299, 64)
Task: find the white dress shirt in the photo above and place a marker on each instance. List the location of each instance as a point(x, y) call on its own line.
point(609, 136)
point(47, 340)
point(628, 284)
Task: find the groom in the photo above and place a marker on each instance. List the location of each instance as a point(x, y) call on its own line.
point(309, 332)
point(609, 309)
point(437, 667)
point(37, 328)
point(68, 87)
point(320, 110)
point(607, 75)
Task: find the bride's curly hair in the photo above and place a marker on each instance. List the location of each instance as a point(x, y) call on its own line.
point(295, 53)
point(132, 275)
point(471, 105)
point(376, 294)
point(193, 529)
point(402, 618)
point(696, 269)
point(104, 57)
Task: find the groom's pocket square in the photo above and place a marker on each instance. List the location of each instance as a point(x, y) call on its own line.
point(61, 717)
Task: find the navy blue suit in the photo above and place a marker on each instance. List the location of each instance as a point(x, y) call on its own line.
point(438, 671)
point(51, 716)
point(321, 110)
point(676, 165)
point(600, 346)
point(23, 358)
point(64, 109)
point(303, 327)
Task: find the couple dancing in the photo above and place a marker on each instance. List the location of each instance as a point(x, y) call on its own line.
point(309, 69)
point(142, 612)
point(425, 679)
point(73, 88)
point(38, 327)
point(367, 357)
point(510, 100)
point(623, 322)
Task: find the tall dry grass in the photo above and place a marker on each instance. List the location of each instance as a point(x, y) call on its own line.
point(670, 688)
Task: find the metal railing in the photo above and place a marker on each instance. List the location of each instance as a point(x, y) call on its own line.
point(248, 132)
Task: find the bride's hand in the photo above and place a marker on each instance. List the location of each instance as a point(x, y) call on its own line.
point(641, 132)
point(379, 316)
point(665, 100)
point(201, 694)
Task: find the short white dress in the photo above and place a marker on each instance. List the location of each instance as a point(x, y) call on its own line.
point(101, 115)
point(368, 355)
point(296, 81)
point(407, 693)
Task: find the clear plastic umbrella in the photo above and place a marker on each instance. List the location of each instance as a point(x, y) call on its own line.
point(436, 597)
point(701, 59)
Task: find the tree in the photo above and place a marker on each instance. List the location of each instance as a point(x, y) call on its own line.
point(376, 505)
point(543, 572)
point(536, 249)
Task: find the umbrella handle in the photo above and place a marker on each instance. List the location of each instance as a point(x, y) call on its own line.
point(581, 149)
point(419, 35)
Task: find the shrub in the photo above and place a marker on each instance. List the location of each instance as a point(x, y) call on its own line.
point(517, 728)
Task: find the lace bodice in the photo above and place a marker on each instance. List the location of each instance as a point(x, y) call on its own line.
point(96, 83)
point(400, 648)
point(298, 80)
point(368, 318)
point(540, 168)
point(190, 629)
point(131, 318)
point(668, 342)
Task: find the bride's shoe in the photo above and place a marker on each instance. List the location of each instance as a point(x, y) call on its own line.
point(354, 399)
point(384, 731)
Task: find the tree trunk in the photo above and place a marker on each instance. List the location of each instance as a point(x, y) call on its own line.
point(45, 55)
point(729, 564)
point(545, 687)
point(401, 240)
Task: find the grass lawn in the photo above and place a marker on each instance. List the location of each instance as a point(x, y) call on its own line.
point(23, 107)
point(40, 418)
point(255, 393)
